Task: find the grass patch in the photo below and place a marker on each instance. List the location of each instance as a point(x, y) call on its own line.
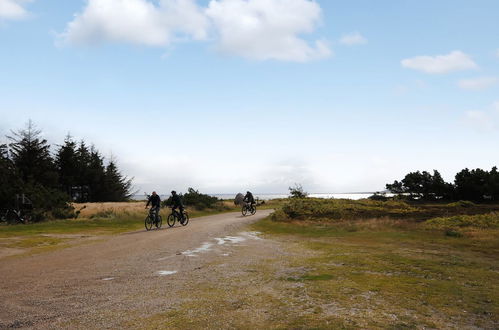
point(101, 219)
point(386, 273)
point(97, 219)
point(331, 210)
point(482, 221)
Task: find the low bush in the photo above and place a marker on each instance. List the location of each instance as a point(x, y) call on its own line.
point(342, 209)
point(489, 220)
point(193, 198)
point(462, 204)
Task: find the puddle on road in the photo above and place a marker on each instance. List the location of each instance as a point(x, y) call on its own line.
point(166, 272)
point(203, 248)
point(229, 239)
point(223, 241)
point(253, 235)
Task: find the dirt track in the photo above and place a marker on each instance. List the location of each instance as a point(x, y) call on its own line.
point(106, 283)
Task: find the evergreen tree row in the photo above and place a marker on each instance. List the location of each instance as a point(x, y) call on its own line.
point(72, 172)
point(474, 185)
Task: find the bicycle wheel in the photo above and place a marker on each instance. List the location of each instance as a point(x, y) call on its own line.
point(12, 217)
point(186, 219)
point(244, 210)
point(148, 222)
point(253, 210)
point(27, 218)
point(159, 222)
point(171, 220)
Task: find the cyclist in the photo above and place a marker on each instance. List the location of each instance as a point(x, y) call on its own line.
point(177, 202)
point(249, 199)
point(155, 202)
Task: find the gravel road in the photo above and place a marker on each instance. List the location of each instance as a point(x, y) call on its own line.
point(104, 283)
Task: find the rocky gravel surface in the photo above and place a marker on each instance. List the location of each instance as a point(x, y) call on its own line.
point(124, 278)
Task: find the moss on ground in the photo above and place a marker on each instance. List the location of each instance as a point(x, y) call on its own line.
point(395, 275)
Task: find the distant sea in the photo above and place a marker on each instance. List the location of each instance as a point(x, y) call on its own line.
point(354, 196)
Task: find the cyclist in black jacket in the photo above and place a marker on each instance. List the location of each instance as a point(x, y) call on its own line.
point(177, 202)
point(249, 199)
point(155, 202)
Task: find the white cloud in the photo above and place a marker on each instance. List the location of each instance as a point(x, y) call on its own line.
point(495, 106)
point(268, 29)
point(455, 61)
point(354, 38)
point(477, 83)
point(13, 9)
point(481, 120)
point(484, 120)
point(137, 22)
point(254, 29)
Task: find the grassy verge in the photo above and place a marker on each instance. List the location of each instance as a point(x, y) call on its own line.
point(97, 219)
point(390, 273)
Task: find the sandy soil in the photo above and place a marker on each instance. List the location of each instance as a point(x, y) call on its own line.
point(123, 278)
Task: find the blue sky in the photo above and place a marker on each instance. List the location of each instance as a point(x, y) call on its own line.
point(228, 95)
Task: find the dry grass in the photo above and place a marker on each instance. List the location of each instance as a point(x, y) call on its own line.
point(89, 209)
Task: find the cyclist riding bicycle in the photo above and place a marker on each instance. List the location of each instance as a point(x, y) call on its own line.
point(177, 202)
point(249, 199)
point(155, 202)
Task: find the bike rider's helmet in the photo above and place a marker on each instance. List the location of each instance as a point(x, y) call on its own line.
point(173, 192)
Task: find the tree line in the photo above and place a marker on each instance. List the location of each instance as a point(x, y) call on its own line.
point(73, 171)
point(473, 185)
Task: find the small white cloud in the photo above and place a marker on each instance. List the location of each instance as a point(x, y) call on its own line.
point(268, 29)
point(354, 38)
point(480, 120)
point(455, 61)
point(477, 83)
point(137, 22)
point(484, 120)
point(13, 9)
point(495, 106)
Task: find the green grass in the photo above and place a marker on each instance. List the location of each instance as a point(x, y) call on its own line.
point(490, 220)
point(402, 273)
point(36, 236)
point(329, 210)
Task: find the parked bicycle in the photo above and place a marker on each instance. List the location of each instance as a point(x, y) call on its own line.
point(20, 213)
point(175, 216)
point(248, 208)
point(153, 219)
point(12, 216)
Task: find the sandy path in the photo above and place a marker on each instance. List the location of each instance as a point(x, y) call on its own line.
point(101, 285)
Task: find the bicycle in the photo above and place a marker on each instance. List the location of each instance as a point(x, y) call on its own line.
point(175, 216)
point(248, 208)
point(12, 216)
point(153, 218)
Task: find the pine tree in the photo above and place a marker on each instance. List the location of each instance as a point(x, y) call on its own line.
point(96, 176)
point(117, 187)
point(10, 182)
point(31, 156)
point(67, 166)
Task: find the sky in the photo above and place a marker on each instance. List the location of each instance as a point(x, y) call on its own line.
point(234, 95)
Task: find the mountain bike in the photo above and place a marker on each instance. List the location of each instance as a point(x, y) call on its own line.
point(153, 219)
point(175, 216)
point(12, 216)
point(248, 208)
